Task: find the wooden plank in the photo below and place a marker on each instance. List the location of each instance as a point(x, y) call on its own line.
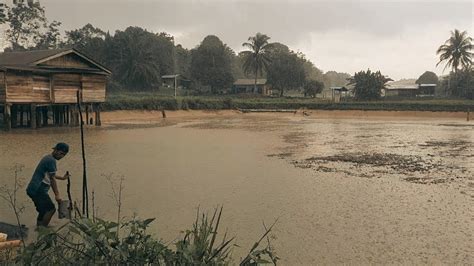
point(33, 116)
point(10, 244)
point(67, 77)
point(3, 92)
point(65, 96)
point(69, 61)
point(94, 78)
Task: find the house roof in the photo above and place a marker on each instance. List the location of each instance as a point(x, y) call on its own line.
point(403, 84)
point(31, 60)
point(250, 82)
point(428, 85)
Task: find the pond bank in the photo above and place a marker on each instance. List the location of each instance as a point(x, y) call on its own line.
point(142, 116)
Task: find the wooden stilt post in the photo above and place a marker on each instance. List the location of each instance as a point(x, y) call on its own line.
point(7, 116)
point(55, 117)
point(45, 116)
point(14, 116)
point(38, 117)
point(28, 116)
point(61, 115)
point(97, 115)
point(21, 115)
point(75, 116)
point(87, 114)
point(33, 116)
point(71, 114)
point(66, 114)
point(468, 111)
point(91, 119)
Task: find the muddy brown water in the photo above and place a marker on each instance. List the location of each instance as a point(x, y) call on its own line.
point(344, 190)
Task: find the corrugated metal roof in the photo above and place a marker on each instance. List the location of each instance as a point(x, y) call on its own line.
point(403, 84)
point(170, 76)
point(402, 87)
point(27, 57)
point(250, 82)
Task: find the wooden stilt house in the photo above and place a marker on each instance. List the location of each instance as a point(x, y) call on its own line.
point(39, 88)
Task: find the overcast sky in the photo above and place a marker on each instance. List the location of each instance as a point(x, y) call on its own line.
point(399, 38)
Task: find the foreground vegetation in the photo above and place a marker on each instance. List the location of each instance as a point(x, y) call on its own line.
point(94, 241)
point(150, 101)
point(91, 241)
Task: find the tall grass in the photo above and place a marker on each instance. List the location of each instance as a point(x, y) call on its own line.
point(86, 241)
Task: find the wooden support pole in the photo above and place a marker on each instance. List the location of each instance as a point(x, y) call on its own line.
point(21, 115)
point(28, 115)
point(75, 116)
point(55, 117)
point(61, 115)
point(66, 112)
point(38, 117)
point(468, 113)
point(45, 116)
point(7, 116)
point(33, 116)
point(97, 115)
point(87, 114)
point(71, 115)
point(14, 116)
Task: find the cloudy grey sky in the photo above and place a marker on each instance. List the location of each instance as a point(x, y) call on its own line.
point(399, 38)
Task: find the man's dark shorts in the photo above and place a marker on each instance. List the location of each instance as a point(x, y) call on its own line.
point(43, 204)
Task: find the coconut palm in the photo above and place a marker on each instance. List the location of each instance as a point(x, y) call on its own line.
point(456, 51)
point(257, 59)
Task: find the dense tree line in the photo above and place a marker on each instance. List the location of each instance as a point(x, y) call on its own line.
point(139, 58)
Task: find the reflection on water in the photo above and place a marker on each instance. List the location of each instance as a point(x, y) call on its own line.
point(344, 209)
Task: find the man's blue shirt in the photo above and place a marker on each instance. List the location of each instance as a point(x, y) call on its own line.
point(40, 182)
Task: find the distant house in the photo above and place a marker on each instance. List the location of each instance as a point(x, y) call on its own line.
point(42, 84)
point(426, 89)
point(177, 80)
point(337, 93)
point(408, 88)
point(248, 86)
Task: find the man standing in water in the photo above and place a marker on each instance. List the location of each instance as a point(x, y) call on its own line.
point(43, 178)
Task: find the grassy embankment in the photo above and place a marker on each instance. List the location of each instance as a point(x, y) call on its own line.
point(151, 101)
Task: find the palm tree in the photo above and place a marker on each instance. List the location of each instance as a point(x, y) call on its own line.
point(257, 59)
point(456, 51)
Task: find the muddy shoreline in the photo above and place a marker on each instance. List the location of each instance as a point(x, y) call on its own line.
point(155, 116)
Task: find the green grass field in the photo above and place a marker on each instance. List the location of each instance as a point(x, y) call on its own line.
point(166, 100)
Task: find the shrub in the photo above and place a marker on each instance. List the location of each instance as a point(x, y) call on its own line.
point(86, 241)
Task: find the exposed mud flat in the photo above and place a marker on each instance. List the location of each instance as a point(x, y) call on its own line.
point(413, 168)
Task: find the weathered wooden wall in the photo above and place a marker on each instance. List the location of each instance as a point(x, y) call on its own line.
point(93, 88)
point(2, 87)
point(23, 87)
point(68, 61)
point(65, 87)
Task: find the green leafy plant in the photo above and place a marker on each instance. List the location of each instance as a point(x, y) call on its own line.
point(95, 241)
